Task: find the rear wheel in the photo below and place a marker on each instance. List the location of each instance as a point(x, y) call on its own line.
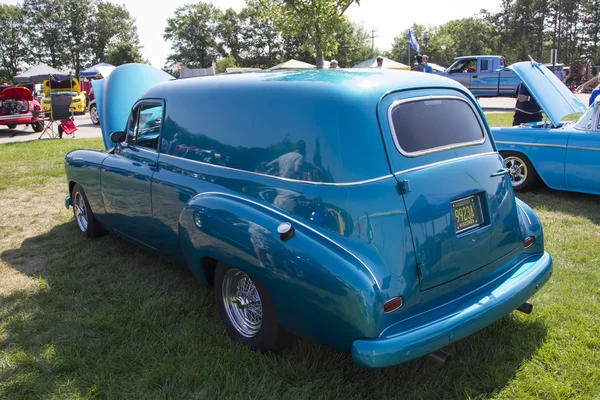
point(37, 126)
point(12, 126)
point(84, 217)
point(247, 310)
point(522, 174)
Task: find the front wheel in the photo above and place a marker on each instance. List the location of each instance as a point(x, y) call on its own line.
point(94, 115)
point(522, 174)
point(247, 310)
point(84, 217)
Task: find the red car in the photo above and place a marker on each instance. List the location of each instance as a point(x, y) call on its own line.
point(17, 107)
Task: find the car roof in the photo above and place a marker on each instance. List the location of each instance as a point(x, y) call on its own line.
point(478, 56)
point(366, 85)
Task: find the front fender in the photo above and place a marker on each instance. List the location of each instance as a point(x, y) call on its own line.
point(320, 290)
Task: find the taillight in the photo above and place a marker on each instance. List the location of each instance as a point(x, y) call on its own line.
point(393, 304)
point(529, 241)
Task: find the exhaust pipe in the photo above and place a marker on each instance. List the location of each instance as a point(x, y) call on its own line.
point(525, 308)
point(441, 357)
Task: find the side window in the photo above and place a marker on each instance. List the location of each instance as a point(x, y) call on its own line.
point(148, 124)
point(485, 65)
point(131, 126)
point(424, 126)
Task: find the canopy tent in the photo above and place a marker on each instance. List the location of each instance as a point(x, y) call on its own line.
point(387, 64)
point(41, 72)
point(293, 64)
point(102, 68)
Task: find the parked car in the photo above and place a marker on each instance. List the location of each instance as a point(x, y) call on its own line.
point(484, 76)
point(368, 211)
point(17, 107)
point(64, 88)
point(564, 155)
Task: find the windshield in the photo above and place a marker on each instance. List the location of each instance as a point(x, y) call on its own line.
point(586, 120)
point(65, 93)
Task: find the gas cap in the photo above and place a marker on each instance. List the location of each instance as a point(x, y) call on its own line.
point(286, 231)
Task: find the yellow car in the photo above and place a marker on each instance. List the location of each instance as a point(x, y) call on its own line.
point(64, 88)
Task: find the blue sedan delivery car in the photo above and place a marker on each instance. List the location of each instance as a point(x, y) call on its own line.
point(368, 211)
point(564, 155)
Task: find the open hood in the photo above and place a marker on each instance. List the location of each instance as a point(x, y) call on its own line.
point(16, 93)
point(117, 93)
point(554, 98)
point(51, 86)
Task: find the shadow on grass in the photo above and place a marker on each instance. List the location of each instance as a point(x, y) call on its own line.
point(575, 204)
point(112, 321)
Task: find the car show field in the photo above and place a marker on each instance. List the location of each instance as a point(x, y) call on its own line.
point(103, 319)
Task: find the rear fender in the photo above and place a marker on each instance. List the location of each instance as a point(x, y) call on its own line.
point(530, 225)
point(320, 290)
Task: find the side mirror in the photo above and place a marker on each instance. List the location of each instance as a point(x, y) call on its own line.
point(118, 137)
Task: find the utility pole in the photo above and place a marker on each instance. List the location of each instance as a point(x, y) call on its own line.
point(373, 36)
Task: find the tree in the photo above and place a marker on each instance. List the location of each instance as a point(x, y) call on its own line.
point(354, 45)
point(193, 32)
point(319, 20)
point(262, 44)
point(77, 15)
point(13, 46)
point(110, 24)
point(124, 52)
point(48, 40)
point(223, 64)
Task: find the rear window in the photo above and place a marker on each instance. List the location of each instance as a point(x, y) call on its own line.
point(433, 124)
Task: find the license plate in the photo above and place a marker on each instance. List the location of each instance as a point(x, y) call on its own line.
point(466, 213)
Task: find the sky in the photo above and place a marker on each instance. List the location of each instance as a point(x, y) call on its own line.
point(387, 17)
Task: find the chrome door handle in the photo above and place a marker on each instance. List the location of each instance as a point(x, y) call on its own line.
point(500, 172)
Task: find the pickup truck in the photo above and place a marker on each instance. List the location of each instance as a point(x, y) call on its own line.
point(484, 76)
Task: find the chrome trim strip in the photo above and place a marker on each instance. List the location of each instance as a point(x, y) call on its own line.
point(380, 178)
point(297, 222)
point(435, 149)
point(558, 146)
point(583, 148)
point(404, 171)
point(15, 116)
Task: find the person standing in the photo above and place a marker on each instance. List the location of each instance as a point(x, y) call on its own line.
point(379, 62)
point(428, 67)
point(419, 66)
point(526, 109)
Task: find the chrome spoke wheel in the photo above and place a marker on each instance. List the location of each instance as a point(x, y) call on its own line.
point(80, 212)
point(94, 115)
point(242, 302)
point(518, 170)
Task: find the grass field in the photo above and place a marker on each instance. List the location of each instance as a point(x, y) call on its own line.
point(83, 319)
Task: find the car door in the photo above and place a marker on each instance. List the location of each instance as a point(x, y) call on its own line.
point(462, 70)
point(485, 80)
point(582, 161)
point(127, 174)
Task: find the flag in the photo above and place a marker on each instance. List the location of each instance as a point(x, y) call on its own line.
point(413, 42)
